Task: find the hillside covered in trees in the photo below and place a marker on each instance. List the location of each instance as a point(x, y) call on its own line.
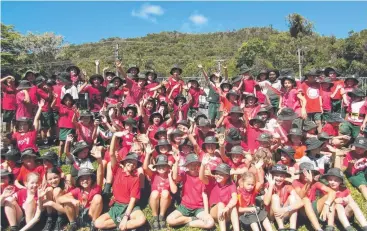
point(257, 47)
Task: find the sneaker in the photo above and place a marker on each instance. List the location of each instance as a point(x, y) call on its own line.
point(59, 224)
point(162, 222)
point(14, 228)
point(73, 226)
point(92, 227)
point(49, 224)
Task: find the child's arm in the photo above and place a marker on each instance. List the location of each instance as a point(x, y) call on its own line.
point(26, 99)
point(97, 66)
point(303, 102)
point(36, 121)
point(53, 103)
point(147, 159)
point(202, 175)
point(96, 152)
point(112, 151)
point(68, 198)
point(221, 119)
point(302, 192)
point(6, 78)
point(338, 87)
point(269, 192)
point(69, 139)
point(172, 184)
point(158, 86)
point(82, 87)
point(205, 202)
point(18, 184)
point(225, 72)
point(175, 175)
point(126, 215)
point(320, 99)
point(231, 204)
point(95, 130)
point(119, 68)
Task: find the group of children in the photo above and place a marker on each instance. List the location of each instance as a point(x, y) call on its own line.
point(270, 149)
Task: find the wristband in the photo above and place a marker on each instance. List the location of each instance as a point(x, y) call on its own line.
point(127, 215)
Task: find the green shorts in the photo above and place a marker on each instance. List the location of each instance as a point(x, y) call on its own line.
point(336, 106)
point(325, 116)
point(350, 128)
point(8, 116)
point(117, 210)
point(358, 180)
point(213, 111)
point(56, 117)
point(64, 132)
point(189, 212)
point(47, 119)
point(316, 116)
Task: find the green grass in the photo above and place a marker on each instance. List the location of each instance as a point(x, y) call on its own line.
point(357, 196)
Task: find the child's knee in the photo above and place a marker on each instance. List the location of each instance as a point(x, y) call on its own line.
point(99, 223)
point(97, 199)
point(154, 194)
point(165, 194)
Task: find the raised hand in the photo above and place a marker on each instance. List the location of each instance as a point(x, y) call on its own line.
point(200, 66)
point(270, 179)
point(120, 134)
point(96, 62)
point(69, 138)
point(105, 69)
point(259, 164)
point(96, 152)
point(221, 139)
point(8, 191)
point(41, 103)
point(118, 63)
point(308, 176)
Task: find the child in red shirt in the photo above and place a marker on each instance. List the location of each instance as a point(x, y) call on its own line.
point(11, 163)
point(8, 100)
point(96, 92)
point(86, 128)
point(281, 197)
point(194, 92)
point(162, 187)
point(191, 210)
point(28, 158)
point(292, 97)
point(231, 99)
point(23, 100)
point(237, 162)
point(253, 132)
point(222, 195)
point(210, 153)
point(326, 96)
point(233, 119)
point(287, 159)
point(350, 83)
point(181, 107)
point(174, 84)
point(251, 106)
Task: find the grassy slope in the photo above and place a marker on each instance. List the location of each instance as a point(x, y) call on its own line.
point(355, 194)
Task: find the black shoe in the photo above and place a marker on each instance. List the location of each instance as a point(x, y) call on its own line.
point(59, 224)
point(73, 226)
point(14, 228)
point(162, 222)
point(49, 224)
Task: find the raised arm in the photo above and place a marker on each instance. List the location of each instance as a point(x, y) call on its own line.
point(119, 68)
point(269, 191)
point(202, 175)
point(147, 160)
point(36, 121)
point(97, 66)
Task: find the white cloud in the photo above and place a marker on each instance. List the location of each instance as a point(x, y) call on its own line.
point(198, 19)
point(148, 12)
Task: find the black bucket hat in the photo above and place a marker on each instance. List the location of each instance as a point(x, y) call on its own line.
point(185, 142)
point(194, 80)
point(203, 123)
point(151, 72)
point(96, 76)
point(323, 136)
point(295, 132)
point(24, 84)
point(175, 132)
point(132, 107)
point(50, 156)
point(244, 69)
point(236, 110)
point(328, 69)
point(287, 114)
point(200, 115)
point(357, 92)
point(64, 77)
point(180, 96)
point(312, 72)
point(309, 125)
point(262, 72)
point(215, 75)
point(257, 119)
point(226, 83)
point(290, 78)
point(232, 92)
point(131, 66)
point(27, 72)
point(192, 158)
point(288, 150)
point(327, 80)
point(118, 78)
point(183, 123)
point(159, 131)
point(67, 95)
point(313, 143)
point(155, 114)
point(360, 142)
point(234, 136)
point(222, 168)
point(75, 68)
point(40, 80)
point(352, 77)
point(335, 118)
point(280, 168)
point(28, 152)
point(85, 172)
point(12, 154)
point(308, 167)
point(161, 160)
point(132, 156)
point(132, 76)
point(79, 146)
point(163, 143)
point(176, 68)
point(264, 137)
point(85, 113)
point(130, 121)
point(251, 96)
point(236, 150)
point(335, 172)
point(236, 79)
point(210, 140)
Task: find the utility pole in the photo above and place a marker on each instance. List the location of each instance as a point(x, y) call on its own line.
point(219, 64)
point(117, 56)
point(299, 63)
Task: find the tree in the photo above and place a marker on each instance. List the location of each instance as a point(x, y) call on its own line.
point(299, 25)
point(9, 52)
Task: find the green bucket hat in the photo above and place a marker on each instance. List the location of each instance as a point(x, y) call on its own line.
point(191, 158)
point(308, 167)
point(163, 143)
point(251, 96)
point(178, 97)
point(244, 69)
point(236, 79)
point(234, 136)
point(344, 129)
point(323, 136)
point(24, 84)
point(130, 121)
point(309, 125)
point(225, 83)
point(85, 113)
point(357, 92)
point(161, 160)
point(264, 137)
point(222, 168)
point(132, 156)
point(257, 119)
point(131, 66)
point(335, 172)
point(236, 110)
point(329, 69)
point(40, 80)
point(288, 150)
point(96, 76)
point(295, 132)
point(287, 114)
point(79, 146)
point(159, 131)
point(27, 72)
point(280, 168)
point(360, 142)
point(77, 70)
point(313, 143)
point(151, 72)
point(232, 92)
point(328, 81)
point(85, 172)
point(28, 152)
point(50, 156)
point(185, 142)
point(335, 118)
point(236, 150)
point(210, 140)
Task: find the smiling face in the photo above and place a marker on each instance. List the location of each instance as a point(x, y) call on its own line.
point(237, 158)
point(186, 149)
point(163, 149)
point(272, 76)
point(334, 182)
point(250, 101)
point(156, 120)
point(288, 84)
point(83, 153)
point(53, 179)
point(177, 138)
point(193, 168)
point(23, 126)
point(285, 159)
point(263, 115)
point(29, 161)
point(85, 119)
point(32, 183)
point(162, 169)
point(332, 74)
point(220, 177)
point(210, 148)
point(130, 165)
point(96, 82)
point(279, 178)
point(85, 181)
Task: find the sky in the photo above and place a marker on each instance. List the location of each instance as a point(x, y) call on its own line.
point(81, 22)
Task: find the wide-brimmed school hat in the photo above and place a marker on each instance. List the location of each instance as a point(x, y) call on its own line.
point(236, 110)
point(24, 119)
point(194, 80)
point(280, 168)
point(79, 146)
point(357, 93)
point(176, 67)
point(215, 75)
point(288, 150)
point(264, 137)
point(75, 68)
point(40, 80)
point(12, 154)
point(328, 69)
point(163, 143)
point(335, 172)
point(312, 72)
point(262, 72)
point(110, 86)
point(85, 113)
point(232, 92)
point(360, 142)
point(85, 172)
point(185, 142)
point(155, 114)
point(178, 97)
point(159, 131)
point(286, 72)
point(132, 107)
point(263, 110)
point(250, 95)
point(192, 158)
point(226, 83)
point(117, 78)
point(236, 150)
point(110, 73)
point(176, 132)
point(313, 143)
point(308, 167)
point(151, 72)
point(234, 136)
point(28, 72)
point(24, 84)
point(161, 160)
point(183, 123)
point(257, 119)
point(222, 168)
point(132, 66)
point(309, 125)
point(287, 114)
point(64, 77)
point(323, 136)
point(203, 123)
point(200, 115)
point(67, 95)
point(352, 77)
point(236, 79)
point(290, 78)
point(295, 132)
point(132, 156)
point(96, 76)
point(328, 81)
point(244, 69)
point(50, 156)
point(28, 152)
point(141, 77)
point(210, 140)
point(131, 122)
point(335, 118)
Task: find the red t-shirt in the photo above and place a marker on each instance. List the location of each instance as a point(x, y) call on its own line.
point(337, 96)
point(8, 101)
point(290, 100)
point(23, 109)
point(171, 83)
point(124, 186)
point(85, 133)
point(33, 95)
point(184, 108)
point(226, 105)
point(66, 117)
point(192, 190)
point(252, 135)
point(96, 97)
point(26, 140)
point(57, 90)
point(219, 193)
point(21, 196)
point(85, 197)
point(249, 85)
point(283, 193)
point(245, 199)
point(330, 130)
point(317, 192)
point(352, 156)
point(41, 94)
point(251, 112)
point(150, 86)
point(195, 94)
point(312, 95)
point(135, 94)
point(213, 161)
point(23, 173)
point(159, 183)
point(153, 131)
point(326, 100)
